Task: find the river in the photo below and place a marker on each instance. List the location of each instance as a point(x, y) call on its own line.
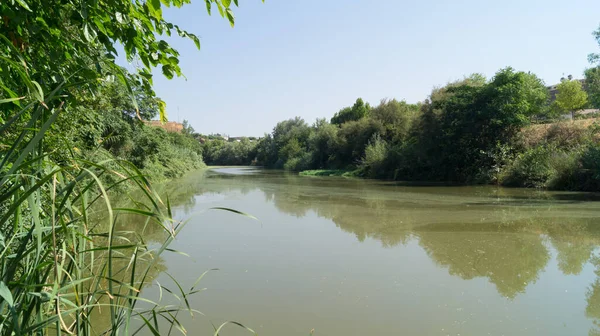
point(358, 257)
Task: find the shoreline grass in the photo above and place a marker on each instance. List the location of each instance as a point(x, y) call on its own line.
point(329, 173)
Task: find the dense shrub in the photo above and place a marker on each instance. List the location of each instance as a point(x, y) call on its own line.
point(299, 163)
point(106, 125)
point(229, 153)
point(532, 168)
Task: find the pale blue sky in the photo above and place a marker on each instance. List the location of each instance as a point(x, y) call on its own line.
point(309, 58)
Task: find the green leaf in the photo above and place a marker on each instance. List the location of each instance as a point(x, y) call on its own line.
point(162, 110)
point(8, 100)
point(230, 17)
point(226, 3)
point(6, 294)
point(236, 3)
point(100, 25)
point(218, 330)
point(208, 6)
point(220, 8)
point(195, 39)
point(23, 4)
point(167, 71)
point(154, 8)
point(145, 61)
point(234, 211)
point(40, 93)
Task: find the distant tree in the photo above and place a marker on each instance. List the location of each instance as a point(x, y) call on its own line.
point(354, 136)
point(323, 143)
point(187, 128)
point(571, 97)
point(396, 117)
point(358, 111)
point(594, 58)
point(592, 86)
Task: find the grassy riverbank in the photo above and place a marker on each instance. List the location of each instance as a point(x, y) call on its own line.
point(328, 172)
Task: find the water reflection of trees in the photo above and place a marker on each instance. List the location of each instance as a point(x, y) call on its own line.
point(510, 261)
point(499, 234)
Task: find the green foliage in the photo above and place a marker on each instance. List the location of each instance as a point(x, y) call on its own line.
point(463, 132)
point(328, 172)
point(532, 168)
point(594, 58)
point(232, 153)
point(396, 118)
point(550, 167)
point(473, 130)
point(592, 86)
point(62, 256)
point(354, 138)
point(375, 157)
point(266, 151)
point(105, 124)
point(465, 118)
point(358, 111)
point(301, 161)
point(590, 161)
point(66, 128)
point(62, 39)
point(570, 96)
point(322, 143)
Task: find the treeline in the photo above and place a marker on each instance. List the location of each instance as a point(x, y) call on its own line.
point(509, 130)
point(445, 138)
point(470, 131)
point(229, 153)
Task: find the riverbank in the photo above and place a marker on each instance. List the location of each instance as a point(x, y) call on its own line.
point(329, 173)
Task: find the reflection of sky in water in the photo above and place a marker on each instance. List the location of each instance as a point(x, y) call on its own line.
point(354, 257)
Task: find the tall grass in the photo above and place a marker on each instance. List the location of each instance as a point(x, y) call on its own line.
point(61, 267)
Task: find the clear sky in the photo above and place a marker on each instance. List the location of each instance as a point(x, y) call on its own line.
point(309, 58)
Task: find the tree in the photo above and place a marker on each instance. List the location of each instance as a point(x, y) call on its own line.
point(396, 117)
point(63, 42)
point(592, 86)
point(594, 58)
point(358, 111)
point(187, 128)
point(571, 97)
point(464, 119)
point(323, 143)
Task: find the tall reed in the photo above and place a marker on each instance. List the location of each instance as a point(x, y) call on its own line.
point(60, 265)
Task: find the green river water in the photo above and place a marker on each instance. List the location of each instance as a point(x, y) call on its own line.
point(358, 257)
